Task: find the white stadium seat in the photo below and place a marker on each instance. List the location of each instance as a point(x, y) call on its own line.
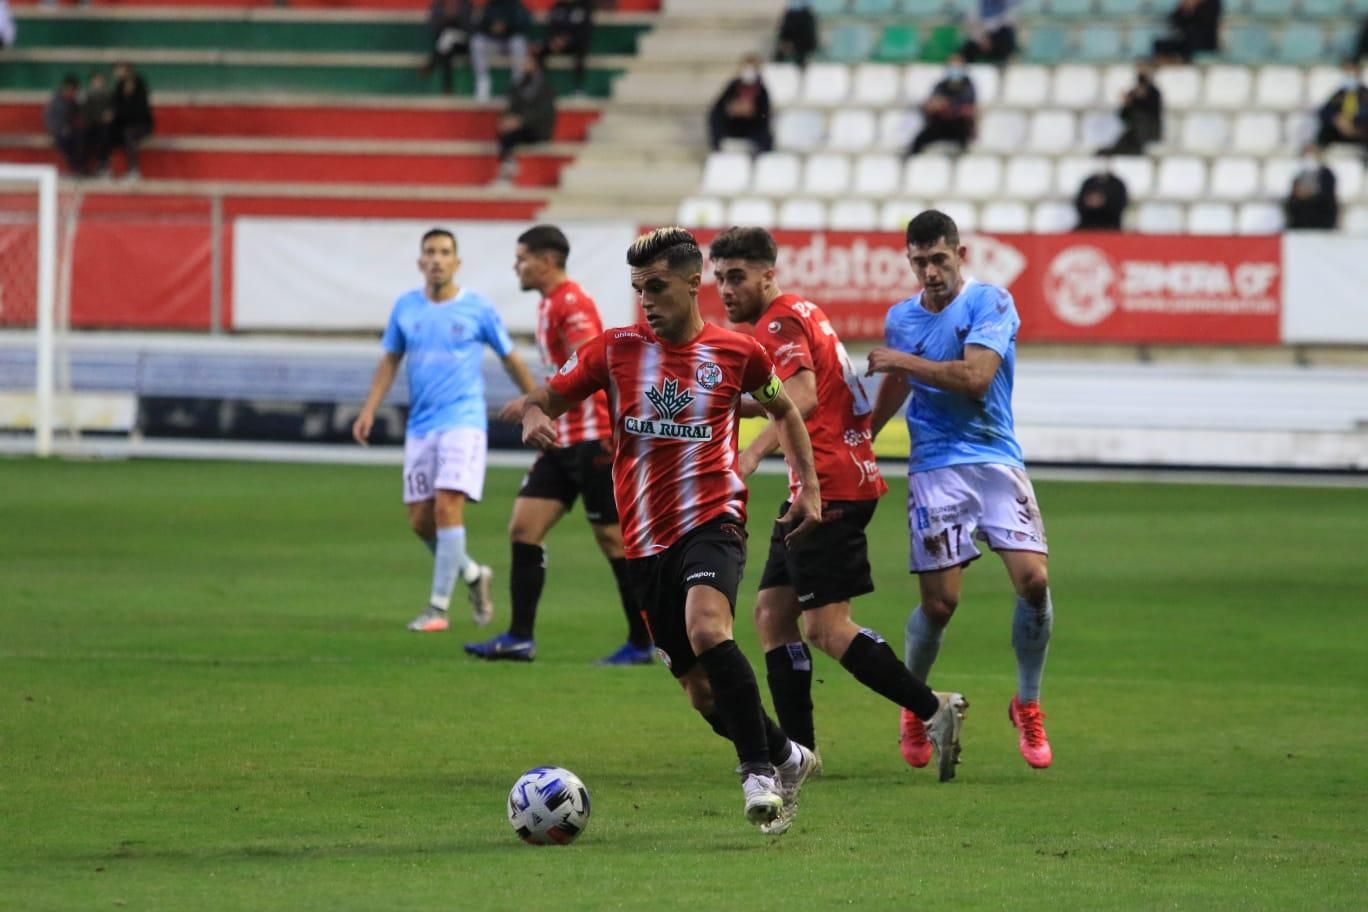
point(1227, 87)
point(1257, 132)
point(1234, 178)
point(1321, 83)
point(1299, 128)
point(877, 175)
point(896, 213)
point(1181, 178)
point(897, 129)
point(1075, 86)
point(1211, 218)
point(1159, 218)
point(1072, 171)
point(918, 81)
point(825, 83)
point(1053, 218)
point(986, 78)
point(776, 174)
point(1136, 173)
point(1029, 177)
point(1026, 86)
point(1260, 218)
point(1181, 86)
point(826, 174)
point(1348, 177)
point(854, 129)
point(1004, 216)
point(925, 176)
point(1052, 131)
point(1002, 131)
point(752, 211)
point(726, 173)
point(964, 214)
point(1277, 176)
point(853, 215)
point(1355, 220)
point(978, 176)
point(1205, 131)
point(783, 81)
point(703, 212)
point(1099, 129)
point(803, 214)
point(800, 129)
point(877, 85)
point(1117, 80)
point(1279, 88)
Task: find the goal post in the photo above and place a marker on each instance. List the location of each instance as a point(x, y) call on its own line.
point(28, 282)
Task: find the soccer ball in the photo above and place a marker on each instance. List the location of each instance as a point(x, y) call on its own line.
point(548, 806)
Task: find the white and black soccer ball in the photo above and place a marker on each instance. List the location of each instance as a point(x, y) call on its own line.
point(548, 805)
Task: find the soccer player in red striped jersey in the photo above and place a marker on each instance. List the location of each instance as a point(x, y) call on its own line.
point(816, 577)
point(580, 466)
point(674, 384)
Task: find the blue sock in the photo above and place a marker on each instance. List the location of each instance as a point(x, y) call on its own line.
point(1031, 628)
point(922, 641)
point(449, 561)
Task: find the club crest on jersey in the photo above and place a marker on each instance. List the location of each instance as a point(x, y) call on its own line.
point(668, 401)
point(708, 375)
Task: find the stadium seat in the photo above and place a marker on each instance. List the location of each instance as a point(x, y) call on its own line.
point(1140, 40)
point(876, 85)
point(826, 174)
point(1355, 220)
point(1277, 176)
point(826, 83)
point(1247, 44)
point(898, 44)
point(702, 212)
point(1181, 177)
point(918, 81)
point(1348, 176)
point(853, 215)
point(1279, 88)
point(941, 42)
point(1227, 86)
point(1101, 43)
point(1099, 129)
point(1075, 86)
point(873, 7)
point(878, 175)
point(1180, 85)
point(896, 213)
point(1006, 217)
point(964, 214)
point(1046, 43)
point(854, 129)
point(987, 78)
point(1028, 177)
point(1053, 218)
point(802, 214)
point(726, 173)
point(1122, 9)
point(1260, 218)
point(1052, 131)
point(1302, 42)
point(783, 81)
point(923, 7)
point(925, 176)
point(1321, 83)
point(978, 177)
point(1299, 128)
point(897, 129)
point(1136, 172)
point(828, 7)
point(1322, 9)
point(1070, 173)
point(1211, 218)
point(1070, 9)
point(849, 42)
point(1159, 218)
point(800, 129)
point(1258, 132)
point(1116, 81)
point(1026, 86)
point(1002, 131)
point(1204, 131)
point(1234, 179)
point(751, 211)
point(776, 174)
point(1268, 9)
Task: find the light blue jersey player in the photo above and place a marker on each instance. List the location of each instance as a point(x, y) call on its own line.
point(953, 348)
point(441, 331)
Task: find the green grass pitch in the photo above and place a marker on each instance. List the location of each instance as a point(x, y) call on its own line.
point(208, 701)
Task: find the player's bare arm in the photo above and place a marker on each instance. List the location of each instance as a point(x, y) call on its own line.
point(970, 376)
point(541, 408)
point(892, 394)
point(805, 513)
point(802, 390)
point(513, 410)
point(381, 381)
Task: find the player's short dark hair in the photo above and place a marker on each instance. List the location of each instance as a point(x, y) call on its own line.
point(547, 239)
point(752, 244)
point(931, 226)
point(438, 232)
point(675, 245)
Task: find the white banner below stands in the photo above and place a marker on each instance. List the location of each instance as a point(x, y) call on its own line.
point(1325, 289)
point(330, 275)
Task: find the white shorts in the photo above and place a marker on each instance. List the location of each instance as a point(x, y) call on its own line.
point(451, 460)
point(948, 508)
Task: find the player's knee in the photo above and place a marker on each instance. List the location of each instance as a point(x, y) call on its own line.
point(609, 540)
point(940, 609)
point(423, 525)
point(1033, 585)
point(524, 532)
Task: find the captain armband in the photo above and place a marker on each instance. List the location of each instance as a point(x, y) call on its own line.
point(769, 392)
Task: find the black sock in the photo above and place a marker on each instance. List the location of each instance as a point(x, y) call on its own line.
point(789, 672)
point(737, 700)
point(779, 746)
point(637, 634)
point(525, 582)
point(870, 660)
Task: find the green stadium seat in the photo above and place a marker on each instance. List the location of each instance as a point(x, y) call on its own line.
point(1100, 43)
point(1322, 9)
point(923, 7)
point(1272, 9)
point(828, 7)
point(1046, 43)
point(1140, 40)
point(943, 41)
point(899, 44)
point(1030, 8)
point(1248, 44)
point(849, 43)
point(873, 7)
point(1121, 9)
point(1071, 9)
point(1358, 7)
point(1302, 42)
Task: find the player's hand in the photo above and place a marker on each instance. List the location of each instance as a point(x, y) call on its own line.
point(884, 360)
point(512, 412)
point(804, 515)
point(361, 428)
point(538, 430)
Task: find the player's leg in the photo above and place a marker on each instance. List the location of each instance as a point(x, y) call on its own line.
point(460, 478)
point(531, 519)
point(420, 471)
point(788, 661)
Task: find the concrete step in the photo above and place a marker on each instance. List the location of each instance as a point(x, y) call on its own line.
point(683, 88)
point(654, 131)
point(666, 182)
point(766, 11)
point(569, 207)
point(698, 45)
point(641, 156)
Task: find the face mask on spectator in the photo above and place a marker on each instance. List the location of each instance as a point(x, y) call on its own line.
point(954, 72)
point(750, 75)
point(1350, 82)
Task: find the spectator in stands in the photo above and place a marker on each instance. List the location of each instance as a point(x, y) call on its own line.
point(8, 31)
point(63, 121)
point(449, 26)
point(570, 31)
point(1344, 117)
point(742, 111)
point(797, 34)
point(132, 114)
point(502, 25)
point(1101, 201)
point(1361, 46)
point(1142, 114)
point(1194, 28)
point(1312, 202)
point(951, 113)
point(991, 26)
point(97, 122)
point(529, 117)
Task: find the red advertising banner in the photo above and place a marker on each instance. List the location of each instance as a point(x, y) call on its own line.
point(1099, 287)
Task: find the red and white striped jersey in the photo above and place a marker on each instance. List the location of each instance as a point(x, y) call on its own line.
point(674, 425)
point(797, 335)
point(566, 319)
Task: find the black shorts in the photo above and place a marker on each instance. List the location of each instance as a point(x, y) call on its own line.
point(714, 554)
point(829, 564)
point(585, 469)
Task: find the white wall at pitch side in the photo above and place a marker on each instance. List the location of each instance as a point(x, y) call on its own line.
point(1325, 289)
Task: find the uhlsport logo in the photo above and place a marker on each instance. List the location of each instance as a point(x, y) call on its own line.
point(1079, 286)
point(668, 401)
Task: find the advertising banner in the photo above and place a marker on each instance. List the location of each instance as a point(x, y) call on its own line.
point(1327, 289)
